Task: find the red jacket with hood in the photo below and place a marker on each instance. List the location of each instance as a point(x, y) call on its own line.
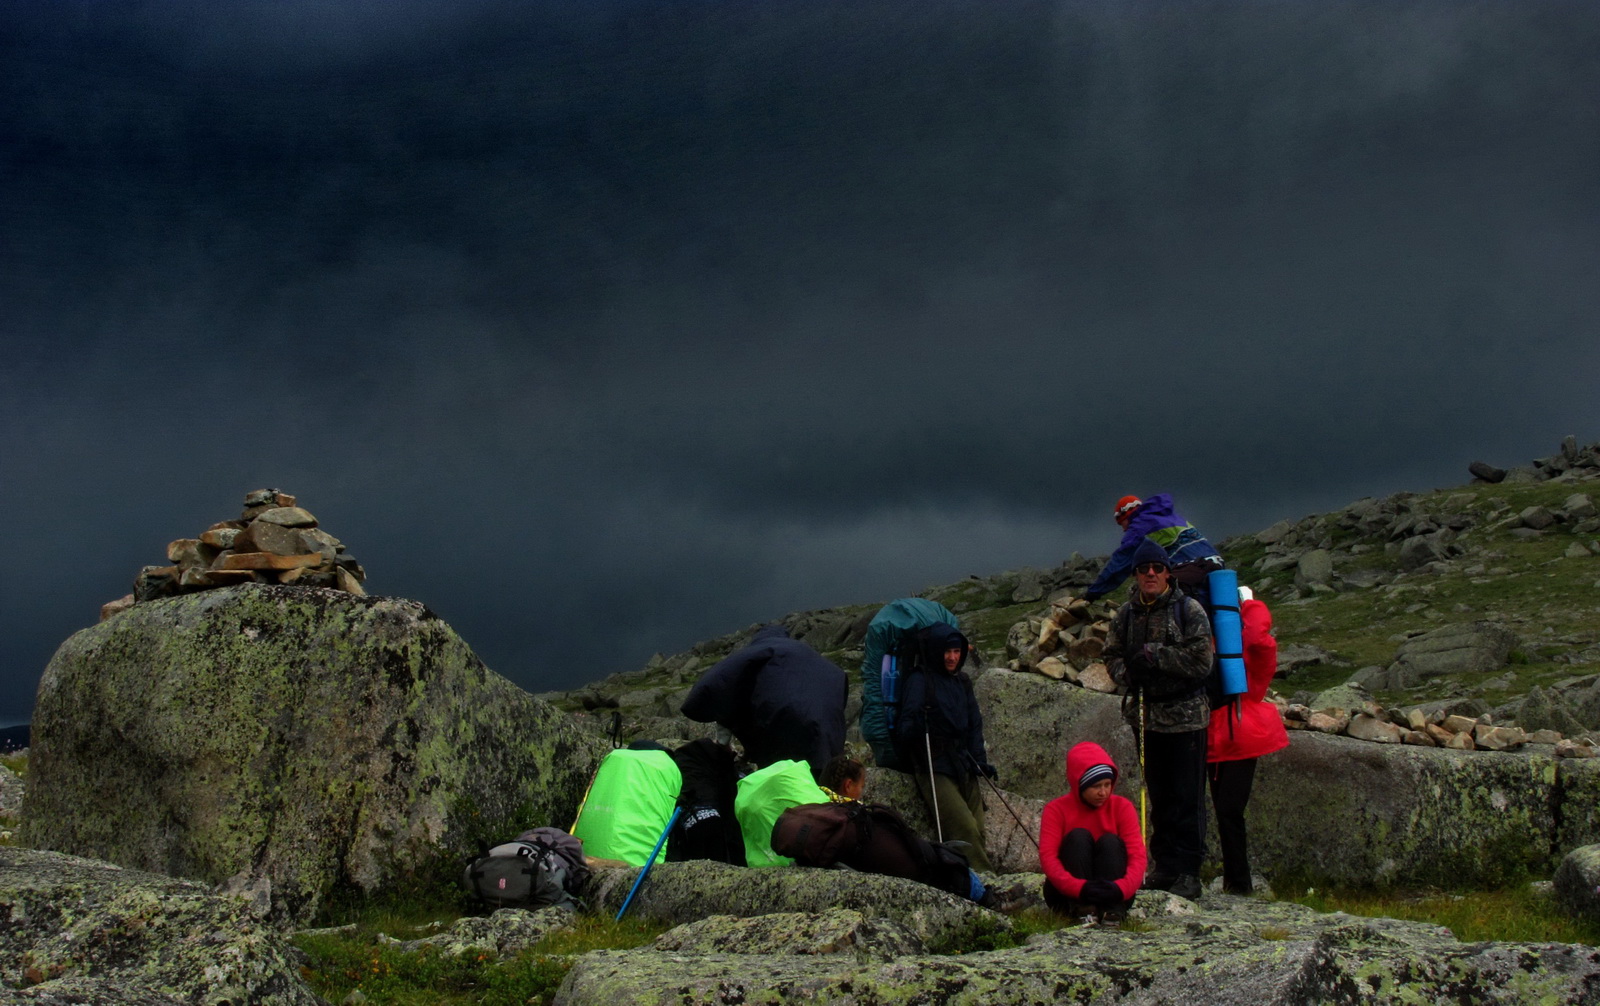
point(1065, 813)
point(1258, 729)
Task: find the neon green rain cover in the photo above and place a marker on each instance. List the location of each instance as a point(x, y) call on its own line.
point(629, 805)
point(765, 794)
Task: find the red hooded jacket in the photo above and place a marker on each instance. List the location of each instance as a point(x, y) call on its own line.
point(1257, 729)
point(1065, 813)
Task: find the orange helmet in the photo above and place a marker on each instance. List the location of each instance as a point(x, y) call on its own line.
point(1126, 507)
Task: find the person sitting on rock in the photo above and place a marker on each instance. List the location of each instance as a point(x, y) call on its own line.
point(1236, 740)
point(939, 734)
point(1090, 847)
point(1189, 555)
point(782, 699)
point(1159, 654)
point(843, 779)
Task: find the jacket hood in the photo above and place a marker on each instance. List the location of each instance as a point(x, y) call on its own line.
point(1084, 755)
point(939, 637)
point(1159, 505)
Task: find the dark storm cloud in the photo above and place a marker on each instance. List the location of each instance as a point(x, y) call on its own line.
point(606, 327)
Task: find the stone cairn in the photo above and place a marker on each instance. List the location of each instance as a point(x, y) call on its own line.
point(273, 541)
point(1065, 644)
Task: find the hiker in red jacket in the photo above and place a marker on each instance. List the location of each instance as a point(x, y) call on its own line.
point(1234, 742)
point(1090, 848)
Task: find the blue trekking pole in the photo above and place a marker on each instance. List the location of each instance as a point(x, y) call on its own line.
point(648, 863)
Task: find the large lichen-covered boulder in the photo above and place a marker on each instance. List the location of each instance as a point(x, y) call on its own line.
point(836, 931)
point(80, 931)
point(290, 738)
point(1336, 809)
point(1577, 882)
point(678, 893)
point(1029, 722)
point(1231, 950)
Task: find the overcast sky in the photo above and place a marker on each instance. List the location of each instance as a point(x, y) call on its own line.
point(605, 327)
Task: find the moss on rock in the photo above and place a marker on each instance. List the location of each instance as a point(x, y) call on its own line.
point(1232, 950)
point(313, 738)
point(72, 927)
point(678, 893)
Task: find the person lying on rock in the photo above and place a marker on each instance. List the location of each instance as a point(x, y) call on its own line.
point(843, 779)
point(1090, 847)
point(939, 734)
point(1188, 553)
point(1159, 654)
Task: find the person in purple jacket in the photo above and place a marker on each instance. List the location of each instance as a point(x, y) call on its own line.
point(1189, 555)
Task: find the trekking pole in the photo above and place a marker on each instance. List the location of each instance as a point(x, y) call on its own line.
point(927, 742)
point(648, 863)
point(1144, 788)
point(1002, 799)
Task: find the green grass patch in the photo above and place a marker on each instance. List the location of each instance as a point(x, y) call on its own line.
point(16, 761)
point(1519, 914)
point(345, 962)
point(988, 628)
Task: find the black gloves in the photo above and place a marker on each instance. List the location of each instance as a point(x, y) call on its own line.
point(989, 770)
point(1101, 892)
point(1093, 595)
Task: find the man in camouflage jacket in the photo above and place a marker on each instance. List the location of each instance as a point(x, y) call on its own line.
point(1160, 654)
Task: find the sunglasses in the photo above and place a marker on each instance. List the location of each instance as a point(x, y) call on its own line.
point(1150, 567)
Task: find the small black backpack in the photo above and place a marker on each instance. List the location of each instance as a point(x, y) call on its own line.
point(544, 866)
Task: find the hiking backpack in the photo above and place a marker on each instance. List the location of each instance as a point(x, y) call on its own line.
point(544, 866)
point(887, 656)
point(869, 838)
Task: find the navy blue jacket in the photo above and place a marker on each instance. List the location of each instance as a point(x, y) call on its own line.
point(780, 697)
point(939, 711)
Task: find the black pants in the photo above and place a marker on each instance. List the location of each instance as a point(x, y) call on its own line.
point(1230, 791)
point(1175, 774)
point(1103, 858)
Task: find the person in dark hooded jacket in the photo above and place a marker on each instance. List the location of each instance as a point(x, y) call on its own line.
point(779, 697)
point(940, 723)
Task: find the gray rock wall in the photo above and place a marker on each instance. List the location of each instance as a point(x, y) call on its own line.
point(1340, 810)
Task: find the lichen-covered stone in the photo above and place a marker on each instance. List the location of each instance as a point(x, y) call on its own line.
point(679, 893)
point(836, 931)
point(12, 789)
point(1577, 882)
point(505, 933)
point(1029, 721)
point(305, 737)
point(80, 931)
point(1346, 811)
point(1241, 951)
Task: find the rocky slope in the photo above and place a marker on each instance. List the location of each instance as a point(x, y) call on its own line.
point(1349, 589)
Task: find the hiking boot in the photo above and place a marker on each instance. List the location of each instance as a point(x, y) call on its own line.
point(1158, 880)
point(1186, 886)
point(1113, 917)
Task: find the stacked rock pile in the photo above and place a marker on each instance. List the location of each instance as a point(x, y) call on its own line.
point(1066, 644)
point(272, 541)
point(1366, 720)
